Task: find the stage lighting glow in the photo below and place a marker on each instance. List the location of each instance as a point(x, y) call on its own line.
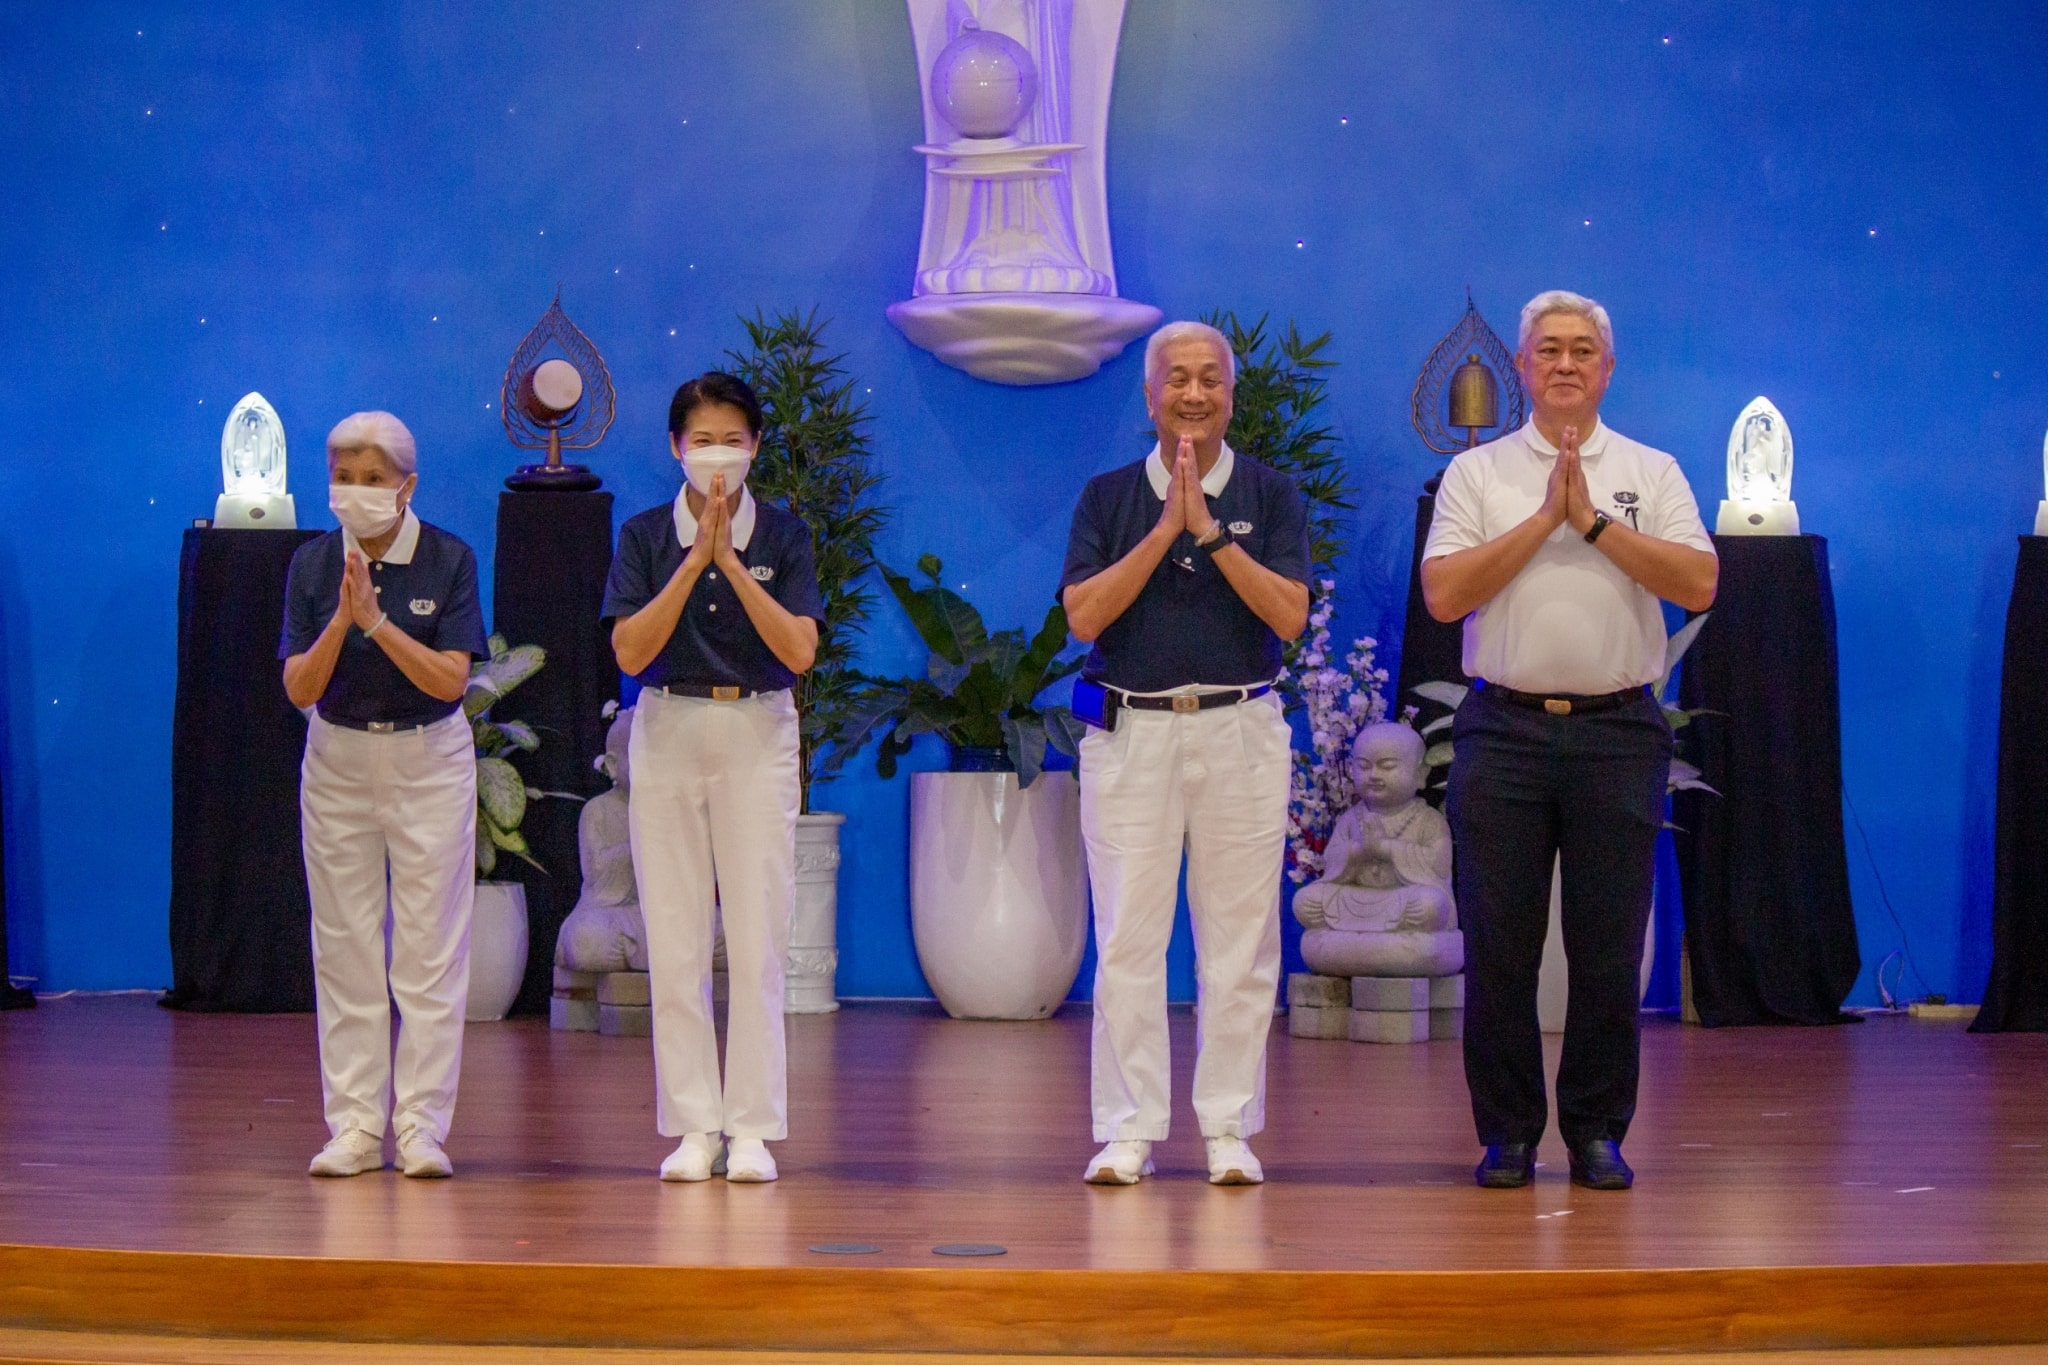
point(1759, 499)
point(252, 468)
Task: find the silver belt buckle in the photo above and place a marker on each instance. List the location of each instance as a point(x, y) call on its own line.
point(1183, 705)
point(725, 694)
point(382, 727)
point(1557, 706)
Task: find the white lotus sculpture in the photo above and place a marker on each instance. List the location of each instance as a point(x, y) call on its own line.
point(1759, 501)
point(252, 470)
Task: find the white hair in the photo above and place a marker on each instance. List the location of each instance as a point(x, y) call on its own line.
point(378, 431)
point(1563, 301)
point(1189, 331)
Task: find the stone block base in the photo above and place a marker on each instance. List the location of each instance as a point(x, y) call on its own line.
point(1397, 993)
point(1447, 1024)
point(1447, 992)
point(623, 988)
point(625, 1021)
point(572, 1016)
point(1320, 992)
point(1318, 1021)
point(1390, 1026)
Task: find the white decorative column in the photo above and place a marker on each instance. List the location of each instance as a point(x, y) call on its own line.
point(811, 975)
point(1015, 280)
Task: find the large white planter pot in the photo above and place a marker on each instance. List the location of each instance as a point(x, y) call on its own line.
point(497, 950)
point(998, 891)
point(1552, 995)
point(811, 974)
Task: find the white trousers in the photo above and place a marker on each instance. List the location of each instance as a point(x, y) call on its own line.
point(390, 820)
point(714, 799)
point(1215, 784)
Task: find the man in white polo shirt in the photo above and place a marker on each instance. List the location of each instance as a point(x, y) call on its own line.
point(1554, 544)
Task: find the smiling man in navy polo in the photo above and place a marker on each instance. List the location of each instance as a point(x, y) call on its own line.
point(1186, 570)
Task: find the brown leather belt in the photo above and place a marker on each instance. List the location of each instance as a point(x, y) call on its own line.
point(1565, 703)
point(707, 692)
point(1187, 702)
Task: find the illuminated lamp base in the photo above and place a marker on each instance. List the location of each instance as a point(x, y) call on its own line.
point(1023, 338)
point(255, 512)
point(1758, 519)
point(553, 478)
point(2041, 520)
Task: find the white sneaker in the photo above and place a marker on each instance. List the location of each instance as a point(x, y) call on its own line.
point(747, 1162)
point(1232, 1163)
point(420, 1156)
point(699, 1157)
point(1123, 1162)
point(351, 1153)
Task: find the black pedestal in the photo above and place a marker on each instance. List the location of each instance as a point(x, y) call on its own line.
point(554, 551)
point(1768, 922)
point(2016, 997)
point(241, 936)
point(1431, 651)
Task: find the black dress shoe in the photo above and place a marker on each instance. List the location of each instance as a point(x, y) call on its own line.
point(1598, 1165)
point(1507, 1166)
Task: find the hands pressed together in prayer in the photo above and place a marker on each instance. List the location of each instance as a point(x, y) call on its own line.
point(714, 535)
point(1566, 498)
point(1187, 507)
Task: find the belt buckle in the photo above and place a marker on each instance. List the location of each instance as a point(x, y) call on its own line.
point(1184, 704)
point(725, 694)
point(1557, 706)
point(382, 727)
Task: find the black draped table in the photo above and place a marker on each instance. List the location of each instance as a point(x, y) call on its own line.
point(2016, 997)
point(240, 921)
point(1765, 871)
point(554, 551)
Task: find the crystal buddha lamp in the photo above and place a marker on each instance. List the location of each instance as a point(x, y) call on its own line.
point(1759, 499)
point(252, 469)
point(2041, 512)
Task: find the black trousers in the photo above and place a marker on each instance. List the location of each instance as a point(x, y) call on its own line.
point(1528, 788)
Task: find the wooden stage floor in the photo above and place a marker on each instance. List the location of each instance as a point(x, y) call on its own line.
point(1876, 1184)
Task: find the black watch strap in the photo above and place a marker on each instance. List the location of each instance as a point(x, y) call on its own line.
point(1601, 521)
point(1217, 541)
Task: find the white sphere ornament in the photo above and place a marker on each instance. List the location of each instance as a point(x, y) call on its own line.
point(252, 469)
point(984, 82)
point(1759, 501)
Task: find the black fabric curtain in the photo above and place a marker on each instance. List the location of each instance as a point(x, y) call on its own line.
point(554, 551)
point(240, 921)
point(1765, 871)
point(1431, 651)
point(2016, 997)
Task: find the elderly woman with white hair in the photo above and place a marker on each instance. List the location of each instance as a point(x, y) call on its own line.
point(381, 624)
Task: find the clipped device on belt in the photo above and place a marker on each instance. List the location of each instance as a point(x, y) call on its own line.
point(1095, 704)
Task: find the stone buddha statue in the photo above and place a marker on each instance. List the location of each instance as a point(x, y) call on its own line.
point(604, 933)
point(1383, 906)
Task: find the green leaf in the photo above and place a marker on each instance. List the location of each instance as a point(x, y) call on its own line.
point(1025, 739)
point(1440, 723)
point(1438, 755)
point(1444, 693)
point(1064, 730)
point(949, 627)
point(492, 678)
point(518, 733)
point(502, 793)
point(1675, 647)
point(1030, 677)
point(486, 851)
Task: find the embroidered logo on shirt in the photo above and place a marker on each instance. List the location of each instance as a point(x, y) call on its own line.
point(423, 606)
point(1240, 528)
point(762, 572)
point(1626, 500)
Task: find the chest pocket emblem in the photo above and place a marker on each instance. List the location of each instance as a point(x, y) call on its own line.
point(763, 573)
point(1240, 528)
point(1626, 500)
point(423, 606)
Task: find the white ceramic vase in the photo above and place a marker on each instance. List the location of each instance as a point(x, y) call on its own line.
point(497, 950)
point(998, 891)
point(811, 975)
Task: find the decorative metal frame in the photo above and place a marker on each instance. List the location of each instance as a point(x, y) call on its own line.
point(1470, 337)
point(583, 425)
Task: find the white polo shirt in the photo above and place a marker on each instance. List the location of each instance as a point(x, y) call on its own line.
point(1570, 621)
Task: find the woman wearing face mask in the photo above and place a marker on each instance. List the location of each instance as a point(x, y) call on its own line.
point(381, 623)
point(715, 609)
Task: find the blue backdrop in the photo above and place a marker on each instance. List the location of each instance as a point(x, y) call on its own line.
point(367, 204)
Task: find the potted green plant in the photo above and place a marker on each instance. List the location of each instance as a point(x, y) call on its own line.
point(998, 888)
point(814, 458)
point(498, 930)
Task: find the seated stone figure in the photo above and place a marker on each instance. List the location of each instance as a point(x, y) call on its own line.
point(604, 933)
point(1383, 906)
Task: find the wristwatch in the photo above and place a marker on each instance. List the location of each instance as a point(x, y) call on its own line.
point(1218, 537)
point(1601, 521)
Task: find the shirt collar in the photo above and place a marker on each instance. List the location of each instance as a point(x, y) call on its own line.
point(1212, 483)
point(742, 520)
point(402, 545)
point(1589, 448)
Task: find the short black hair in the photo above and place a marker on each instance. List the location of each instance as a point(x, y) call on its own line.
point(714, 386)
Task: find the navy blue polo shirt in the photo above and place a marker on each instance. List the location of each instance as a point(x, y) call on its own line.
point(426, 584)
point(1187, 624)
point(714, 644)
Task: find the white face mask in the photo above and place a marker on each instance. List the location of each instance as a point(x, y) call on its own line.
point(702, 462)
point(367, 512)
